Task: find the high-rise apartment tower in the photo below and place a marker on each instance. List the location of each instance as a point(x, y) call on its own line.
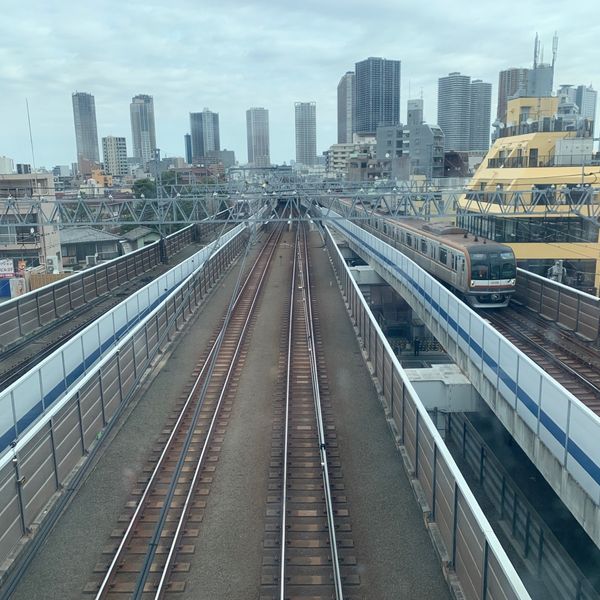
point(257, 127)
point(454, 110)
point(479, 120)
point(143, 132)
point(464, 112)
point(86, 130)
point(306, 133)
point(345, 108)
point(511, 82)
point(377, 84)
point(114, 152)
point(204, 129)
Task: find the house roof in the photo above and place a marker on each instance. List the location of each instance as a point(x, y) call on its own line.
point(78, 235)
point(137, 233)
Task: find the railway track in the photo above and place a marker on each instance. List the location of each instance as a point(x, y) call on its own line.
point(567, 360)
point(308, 543)
point(148, 558)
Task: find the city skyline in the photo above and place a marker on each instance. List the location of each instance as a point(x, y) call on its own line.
point(261, 74)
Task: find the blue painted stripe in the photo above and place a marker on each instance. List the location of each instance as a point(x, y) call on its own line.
point(507, 380)
point(7, 437)
point(553, 427)
point(583, 459)
point(75, 374)
point(578, 454)
point(476, 347)
point(491, 363)
point(29, 417)
point(54, 393)
point(57, 391)
point(531, 405)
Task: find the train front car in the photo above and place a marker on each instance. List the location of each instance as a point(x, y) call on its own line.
point(493, 275)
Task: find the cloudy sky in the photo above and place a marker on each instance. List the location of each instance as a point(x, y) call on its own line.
point(232, 54)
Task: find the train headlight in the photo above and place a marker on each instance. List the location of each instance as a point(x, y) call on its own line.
point(512, 282)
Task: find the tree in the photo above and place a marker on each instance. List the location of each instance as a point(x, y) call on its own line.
point(146, 187)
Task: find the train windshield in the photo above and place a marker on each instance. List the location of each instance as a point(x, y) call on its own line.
point(493, 265)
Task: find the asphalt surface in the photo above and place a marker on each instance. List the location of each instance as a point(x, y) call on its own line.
point(395, 555)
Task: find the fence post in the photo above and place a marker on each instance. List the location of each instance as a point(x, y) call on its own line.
point(454, 524)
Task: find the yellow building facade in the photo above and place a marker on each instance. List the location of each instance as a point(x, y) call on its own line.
point(533, 189)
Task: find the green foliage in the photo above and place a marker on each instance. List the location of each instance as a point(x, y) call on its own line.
point(146, 187)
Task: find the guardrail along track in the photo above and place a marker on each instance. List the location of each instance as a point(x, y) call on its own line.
point(97, 297)
point(308, 533)
point(149, 559)
point(567, 360)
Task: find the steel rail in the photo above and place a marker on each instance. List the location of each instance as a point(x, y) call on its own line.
point(544, 352)
point(288, 385)
point(134, 519)
point(307, 304)
point(154, 542)
point(200, 462)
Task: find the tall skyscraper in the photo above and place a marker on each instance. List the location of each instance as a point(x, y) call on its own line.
point(86, 130)
point(345, 108)
point(187, 138)
point(114, 151)
point(511, 82)
point(480, 118)
point(204, 128)
point(257, 127)
point(143, 132)
point(306, 133)
point(464, 112)
point(454, 110)
point(377, 96)
point(586, 98)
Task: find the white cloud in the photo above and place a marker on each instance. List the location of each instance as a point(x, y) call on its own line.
point(231, 55)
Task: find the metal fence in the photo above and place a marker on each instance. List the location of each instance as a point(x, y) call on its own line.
point(41, 462)
point(474, 554)
point(24, 315)
point(573, 309)
point(533, 540)
point(559, 432)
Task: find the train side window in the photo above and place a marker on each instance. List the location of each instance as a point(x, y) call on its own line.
point(454, 262)
point(408, 239)
point(443, 255)
point(423, 246)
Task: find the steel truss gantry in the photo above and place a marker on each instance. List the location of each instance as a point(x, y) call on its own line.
point(180, 204)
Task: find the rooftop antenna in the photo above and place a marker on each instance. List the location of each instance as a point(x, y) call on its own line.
point(554, 47)
point(536, 50)
point(421, 93)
